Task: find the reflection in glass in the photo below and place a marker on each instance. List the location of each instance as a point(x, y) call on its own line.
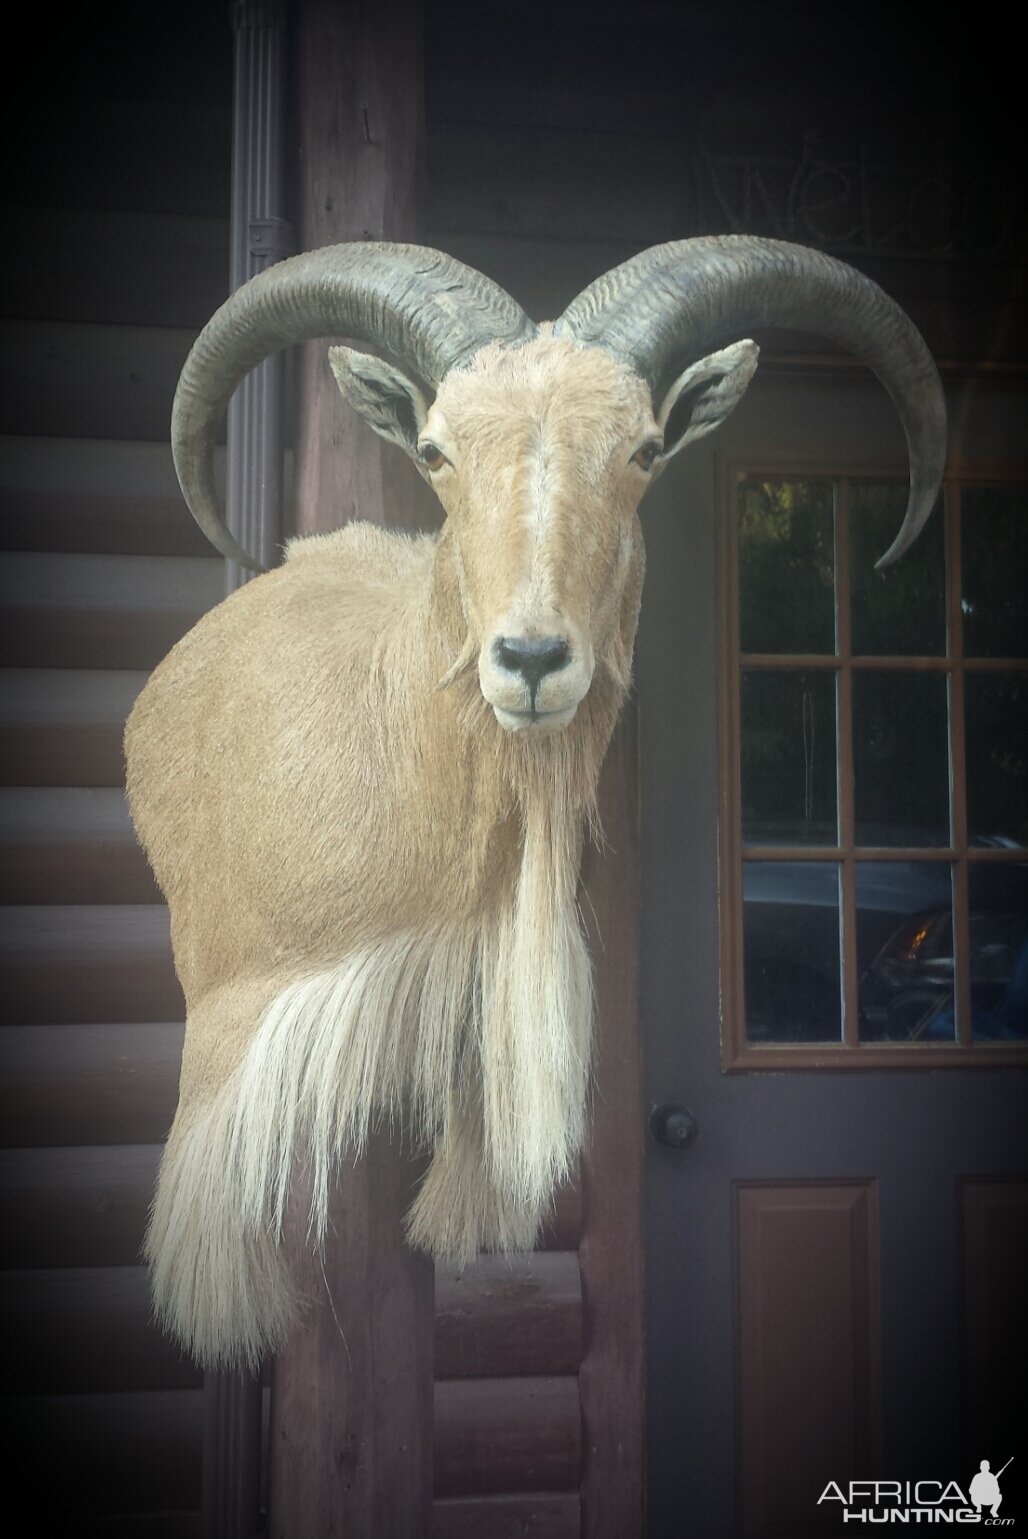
point(786, 566)
point(996, 739)
point(902, 610)
point(994, 560)
point(788, 757)
point(900, 759)
point(791, 951)
point(905, 951)
point(998, 897)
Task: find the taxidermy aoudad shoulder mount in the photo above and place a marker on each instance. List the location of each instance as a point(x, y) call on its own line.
point(363, 780)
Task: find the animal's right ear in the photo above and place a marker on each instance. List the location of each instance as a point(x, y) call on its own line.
point(383, 395)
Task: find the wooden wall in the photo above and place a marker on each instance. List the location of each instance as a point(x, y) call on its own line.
point(556, 149)
point(121, 193)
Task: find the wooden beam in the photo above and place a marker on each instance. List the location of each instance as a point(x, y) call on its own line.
point(66, 963)
point(83, 381)
point(76, 611)
point(611, 1255)
point(88, 1330)
point(70, 844)
point(351, 1398)
point(351, 1404)
point(361, 136)
point(95, 495)
point(535, 1515)
point(76, 1207)
point(498, 1437)
point(509, 1316)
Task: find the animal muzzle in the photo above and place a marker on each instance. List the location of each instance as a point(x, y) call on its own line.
point(534, 681)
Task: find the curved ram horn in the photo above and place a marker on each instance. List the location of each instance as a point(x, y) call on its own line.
point(426, 309)
point(675, 303)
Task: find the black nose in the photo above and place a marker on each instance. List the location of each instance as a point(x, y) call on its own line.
point(532, 657)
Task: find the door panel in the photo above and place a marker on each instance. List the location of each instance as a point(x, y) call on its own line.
point(808, 1336)
point(739, 1422)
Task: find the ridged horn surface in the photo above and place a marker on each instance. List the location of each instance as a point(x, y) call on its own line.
point(675, 303)
point(427, 310)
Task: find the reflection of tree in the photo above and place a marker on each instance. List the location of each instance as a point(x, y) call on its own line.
point(997, 756)
point(902, 609)
point(994, 551)
point(994, 541)
point(788, 757)
point(900, 759)
point(786, 566)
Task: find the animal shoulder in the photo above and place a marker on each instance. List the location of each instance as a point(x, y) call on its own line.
point(361, 553)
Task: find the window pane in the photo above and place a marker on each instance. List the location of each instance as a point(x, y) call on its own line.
point(996, 728)
point(788, 757)
point(900, 759)
point(902, 610)
point(786, 566)
point(791, 951)
point(994, 560)
point(999, 952)
point(905, 951)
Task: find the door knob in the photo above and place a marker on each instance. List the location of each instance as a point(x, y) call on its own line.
point(674, 1125)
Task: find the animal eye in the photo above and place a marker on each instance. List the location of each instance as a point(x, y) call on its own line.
point(431, 456)
point(645, 456)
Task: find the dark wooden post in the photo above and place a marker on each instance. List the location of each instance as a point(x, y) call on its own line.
point(351, 1404)
point(361, 135)
point(611, 1378)
point(351, 1396)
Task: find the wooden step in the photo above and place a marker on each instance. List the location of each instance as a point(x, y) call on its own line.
point(70, 845)
point(115, 1083)
point(64, 727)
point(60, 611)
point(68, 964)
point(95, 495)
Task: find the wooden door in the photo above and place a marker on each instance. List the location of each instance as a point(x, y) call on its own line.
point(833, 804)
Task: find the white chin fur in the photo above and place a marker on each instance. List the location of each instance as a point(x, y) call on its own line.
point(542, 722)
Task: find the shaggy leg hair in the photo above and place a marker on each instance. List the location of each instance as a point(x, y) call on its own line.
point(475, 1040)
point(312, 1079)
point(221, 1286)
point(459, 1210)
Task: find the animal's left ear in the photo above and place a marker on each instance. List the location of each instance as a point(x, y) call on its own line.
point(383, 395)
point(712, 388)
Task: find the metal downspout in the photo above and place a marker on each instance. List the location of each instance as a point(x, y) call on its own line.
point(259, 235)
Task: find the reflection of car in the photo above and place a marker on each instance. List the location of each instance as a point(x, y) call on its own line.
point(907, 992)
point(904, 945)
